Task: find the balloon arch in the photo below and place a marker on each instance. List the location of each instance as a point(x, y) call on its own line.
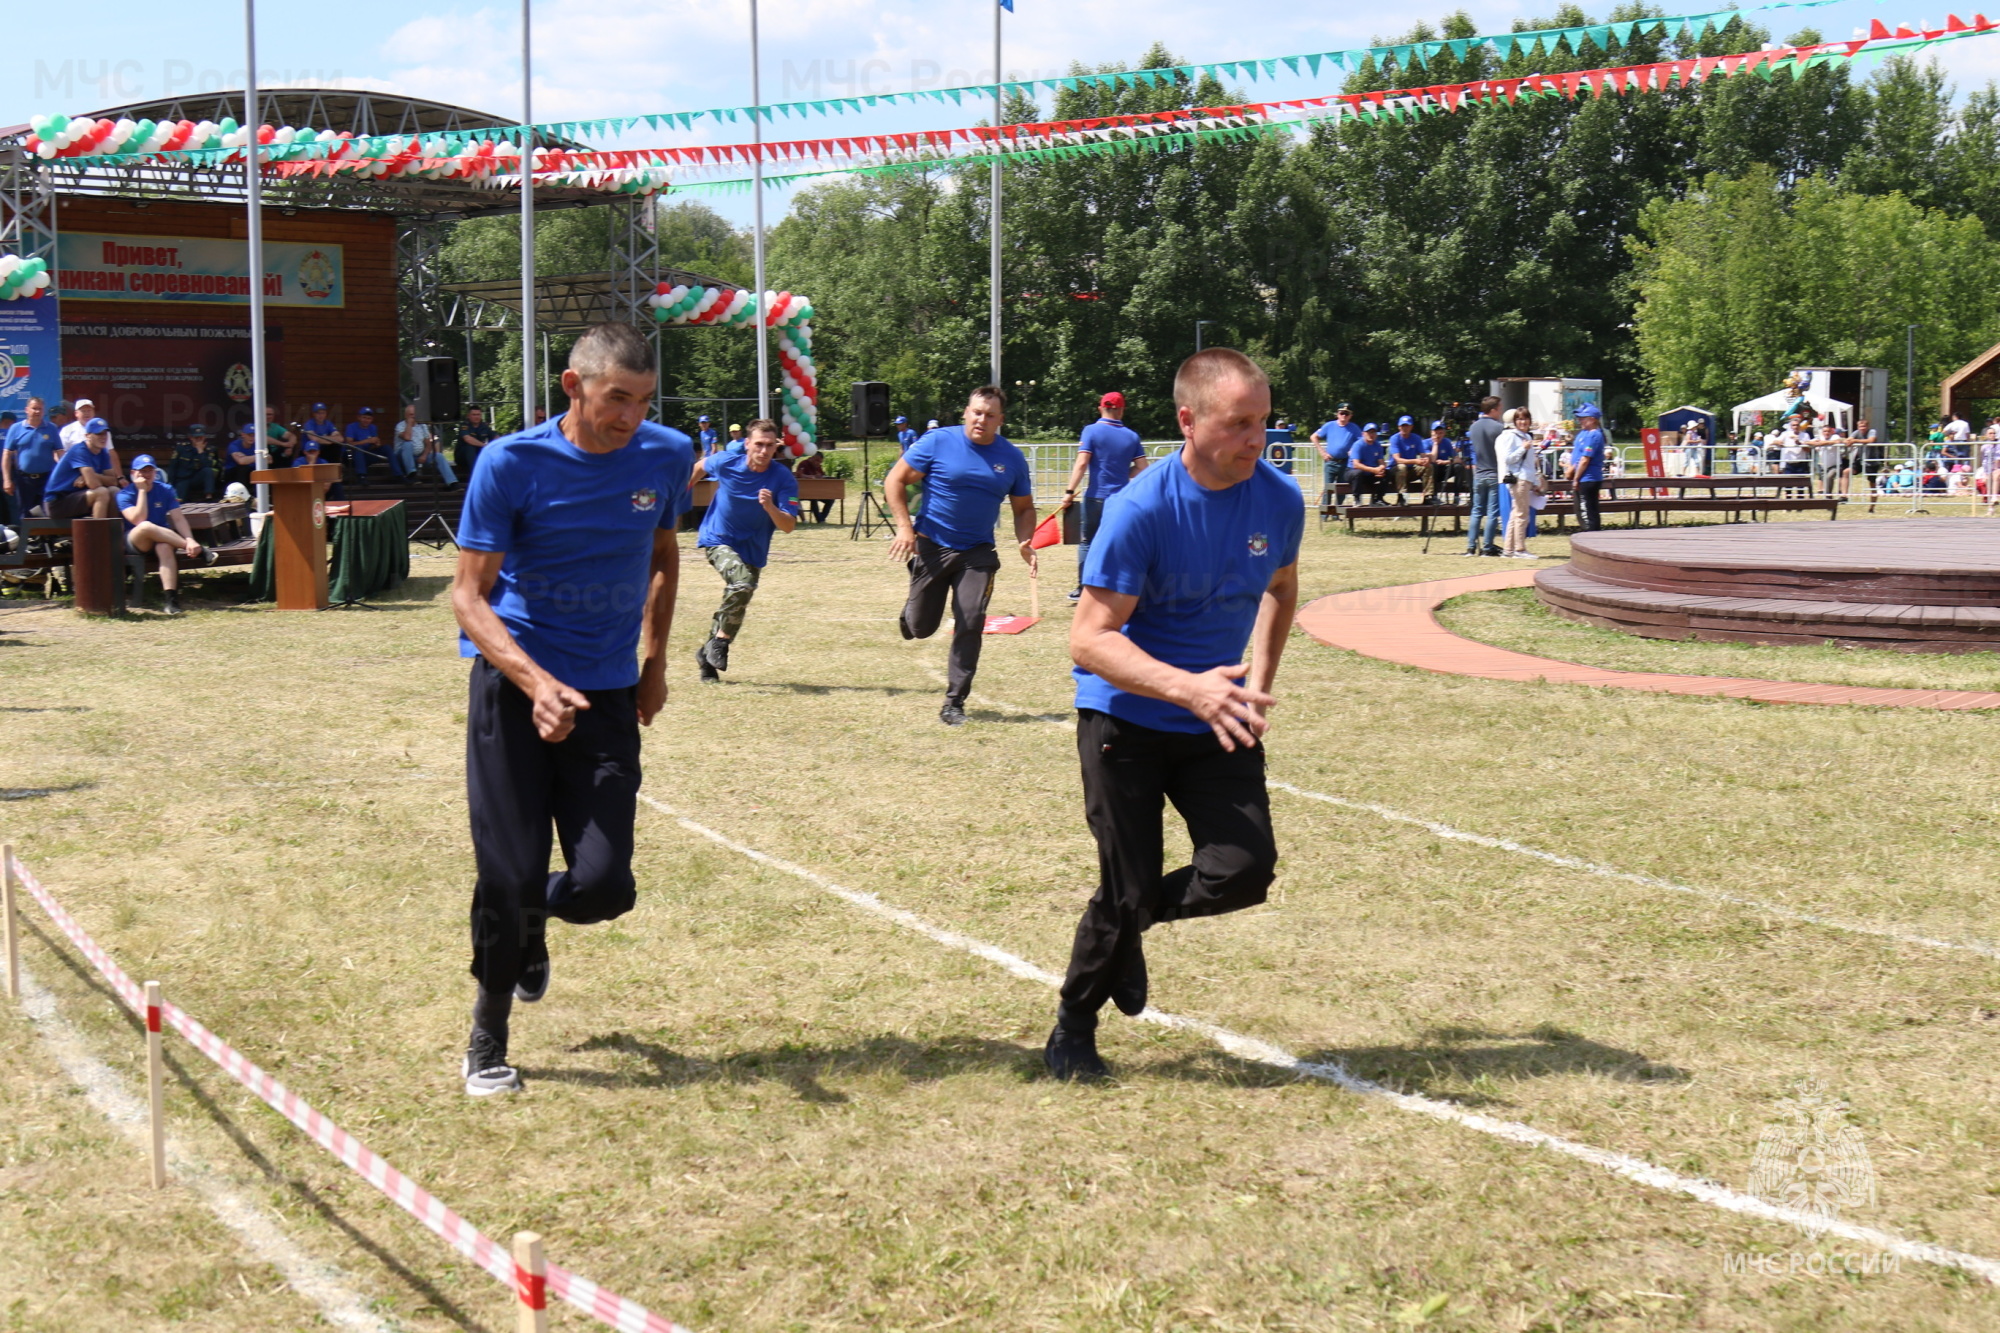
point(791, 316)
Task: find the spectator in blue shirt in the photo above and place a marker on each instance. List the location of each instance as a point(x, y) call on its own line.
point(1368, 467)
point(905, 437)
point(1111, 453)
point(1336, 440)
point(1441, 462)
point(84, 482)
point(1586, 465)
point(966, 471)
point(240, 455)
point(753, 498)
point(567, 562)
point(1188, 599)
point(705, 435)
point(364, 444)
point(155, 525)
point(28, 455)
point(319, 426)
point(473, 437)
point(309, 455)
point(1406, 454)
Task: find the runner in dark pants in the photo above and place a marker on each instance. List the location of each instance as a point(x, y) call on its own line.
point(1198, 558)
point(1109, 453)
point(965, 471)
point(567, 558)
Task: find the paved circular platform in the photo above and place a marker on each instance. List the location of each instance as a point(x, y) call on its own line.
point(1914, 585)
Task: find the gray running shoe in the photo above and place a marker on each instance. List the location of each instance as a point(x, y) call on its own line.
point(486, 1067)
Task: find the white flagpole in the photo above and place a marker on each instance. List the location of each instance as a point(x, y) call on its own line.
point(254, 208)
point(527, 221)
point(993, 278)
point(757, 232)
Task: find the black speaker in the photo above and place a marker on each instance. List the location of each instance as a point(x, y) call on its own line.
point(437, 387)
point(869, 416)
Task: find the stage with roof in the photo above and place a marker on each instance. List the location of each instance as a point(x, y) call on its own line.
point(151, 317)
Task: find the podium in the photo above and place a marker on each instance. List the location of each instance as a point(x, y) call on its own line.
point(298, 539)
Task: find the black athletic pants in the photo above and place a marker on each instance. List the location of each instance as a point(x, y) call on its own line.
point(519, 786)
point(1587, 517)
point(1129, 773)
point(968, 577)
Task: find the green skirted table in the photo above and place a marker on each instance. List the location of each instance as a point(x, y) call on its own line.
point(368, 551)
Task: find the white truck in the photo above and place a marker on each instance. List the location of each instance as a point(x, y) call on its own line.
point(1551, 399)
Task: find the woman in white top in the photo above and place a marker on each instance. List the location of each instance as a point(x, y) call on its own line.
point(417, 445)
point(1989, 462)
point(1521, 469)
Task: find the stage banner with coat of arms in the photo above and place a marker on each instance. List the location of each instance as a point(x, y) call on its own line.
point(197, 269)
point(30, 353)
point(152, 380)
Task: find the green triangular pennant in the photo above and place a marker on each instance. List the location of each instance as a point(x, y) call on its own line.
point(1459, 47)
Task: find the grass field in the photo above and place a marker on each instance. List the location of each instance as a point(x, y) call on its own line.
point(752, 1106)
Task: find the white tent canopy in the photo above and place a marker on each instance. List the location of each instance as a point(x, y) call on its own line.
point(1842, 413)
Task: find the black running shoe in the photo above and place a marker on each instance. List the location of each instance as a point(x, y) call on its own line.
point(952, 715)
point(1073, 1058)
point(486, 1067)
point(718, 653)
point(534, 982)
point(1129, 992)
point(708, 675)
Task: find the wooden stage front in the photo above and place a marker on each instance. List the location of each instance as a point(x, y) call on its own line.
point(1916, 585)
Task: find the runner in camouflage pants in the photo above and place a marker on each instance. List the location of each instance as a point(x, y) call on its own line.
point(739, 585)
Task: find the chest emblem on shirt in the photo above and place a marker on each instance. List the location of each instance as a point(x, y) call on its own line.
point(999, 467)
point(645, 499)
point(1259, 543)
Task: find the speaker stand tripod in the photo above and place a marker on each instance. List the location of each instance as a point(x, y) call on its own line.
point(869, 515)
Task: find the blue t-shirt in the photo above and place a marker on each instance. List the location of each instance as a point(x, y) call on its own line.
point(734, 518)
point(1199, 562)
point(1444, 449)
point(1589, 447)
point(62, 477)
point(708, 438)
point(35, 447)
point(323, 431)
point(307, 460)
point(160, 501)
point(964, 484)
point(906, 437)
point(360, 433)
point(1367, 453)
point(1337, 441)
point(1408, 446)
point(1112, 445)
point(578, 532)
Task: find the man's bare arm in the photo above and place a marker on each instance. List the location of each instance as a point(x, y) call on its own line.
point(896, 490)
point(1081, 466)
point(1024, 529)
point(662, 587)
point(1274, 626)
point(556, 704)
point(1096, 643)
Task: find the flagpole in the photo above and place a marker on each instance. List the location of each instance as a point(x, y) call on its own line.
point(993, 277)
point(254, 230)
point(757, 229)
point(527, 222)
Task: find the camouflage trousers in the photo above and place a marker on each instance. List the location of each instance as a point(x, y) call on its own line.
point(739, 585)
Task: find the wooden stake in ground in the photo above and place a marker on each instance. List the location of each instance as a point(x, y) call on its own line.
point(1035, 590)
point(13, 926)
point(156, 1084)
point(530, 1284)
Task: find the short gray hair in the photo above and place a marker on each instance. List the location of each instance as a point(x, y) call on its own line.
point(611, 347)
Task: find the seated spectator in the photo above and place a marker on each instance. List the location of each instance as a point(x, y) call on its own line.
point(155, 525)
point(364, 444)
point(412, 443)
point(734, 444)
point(281, 444)
point(319, 427)
point(473, 435)
point(240, 456)
point(80, 416)
point(308, 457)
point(192, 469)
point(1368, 467)
point(84, 481)
point(810, 466)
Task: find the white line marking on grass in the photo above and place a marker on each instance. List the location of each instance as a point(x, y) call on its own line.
point(321, 1283)
point(1575, 862)
point(1261, 1052)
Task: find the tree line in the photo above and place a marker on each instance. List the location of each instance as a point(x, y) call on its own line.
point(1688, 245)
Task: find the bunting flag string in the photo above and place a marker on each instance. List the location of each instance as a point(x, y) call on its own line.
point(789, 315)
point(115, 142)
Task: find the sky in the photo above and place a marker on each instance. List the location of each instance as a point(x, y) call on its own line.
point(610, 57)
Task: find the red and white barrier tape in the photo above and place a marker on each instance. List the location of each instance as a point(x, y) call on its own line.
point(607, 1306)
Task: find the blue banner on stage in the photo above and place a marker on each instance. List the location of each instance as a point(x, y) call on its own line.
point(30, 352)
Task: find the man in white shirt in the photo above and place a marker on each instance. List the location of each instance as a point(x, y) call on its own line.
point(73, 433)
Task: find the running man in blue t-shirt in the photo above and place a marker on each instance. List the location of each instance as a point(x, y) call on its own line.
point(1196, 560)
point(1586, 466)
point(1112, 453)
point(155, 525)
point(753, 497)
point(567, 561)
point(966, 471)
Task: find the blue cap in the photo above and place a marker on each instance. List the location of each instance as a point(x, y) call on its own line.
point(1437, 425)
point(701, 418)
point(310, 443)
point(365, 412)
point(143, 460)
point(1406, 421)
point(1371, 429)
point(97, 426)
point(319, 407)
point(1588, 410)
point(902, 421)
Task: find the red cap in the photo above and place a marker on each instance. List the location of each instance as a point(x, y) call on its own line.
point(1112, 399)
